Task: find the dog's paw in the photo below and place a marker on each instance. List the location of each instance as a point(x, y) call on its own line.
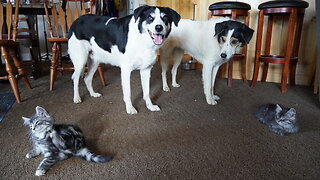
point(166, 89)
point(96, 95)
point(131, 110)
point(77, 100)
point(215, 97)
point(211, 101)
point(175, 85)
point(40, 172)
point(153, 107)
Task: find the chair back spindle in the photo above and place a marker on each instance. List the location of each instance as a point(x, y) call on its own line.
point(60, 18)
point(9, 21)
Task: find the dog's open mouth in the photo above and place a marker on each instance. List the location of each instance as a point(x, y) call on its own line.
point(156, 38)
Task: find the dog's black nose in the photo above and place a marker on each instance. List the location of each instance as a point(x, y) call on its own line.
point(159, 28)
point(223, 55)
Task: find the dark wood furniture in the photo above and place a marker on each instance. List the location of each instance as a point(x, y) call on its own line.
point(14, 70)
point(318, 42)
point(234, 10)
point(59, 18)
point(272, 9)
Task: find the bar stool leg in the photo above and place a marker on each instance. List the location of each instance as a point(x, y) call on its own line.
point(230, 69)
point(101, 74)
point(267, 48)
point(258, 49)
point(295, 51)
point(245, 50)
point(230, 63)
point(284, 79)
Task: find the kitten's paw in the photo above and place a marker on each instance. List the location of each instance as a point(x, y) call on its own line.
point(40, 172)
point(152, 107)
point(31, 154)
point(175, 85)
point(211, 101)
point(77, 100)
point(215, 97)
point(131, 110)
point(166, 88)
point(28, 156)
point(96, 95)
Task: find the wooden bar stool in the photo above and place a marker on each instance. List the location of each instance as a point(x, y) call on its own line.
point(234, 10)
point(295, 11)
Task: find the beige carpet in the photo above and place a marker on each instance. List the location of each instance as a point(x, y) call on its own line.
point(187, 139)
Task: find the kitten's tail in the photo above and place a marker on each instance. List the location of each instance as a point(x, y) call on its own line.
point(86, 154)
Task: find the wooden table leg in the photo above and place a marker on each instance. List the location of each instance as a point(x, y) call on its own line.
point(35, 50)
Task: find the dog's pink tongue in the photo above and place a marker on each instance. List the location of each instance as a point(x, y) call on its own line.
point(157, 39)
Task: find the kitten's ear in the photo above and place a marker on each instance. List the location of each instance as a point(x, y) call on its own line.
point(291, 113)
point(41, 112)
point(26, 121)
point(278, 108)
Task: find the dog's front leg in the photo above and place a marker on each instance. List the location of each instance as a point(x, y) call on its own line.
point(145, 82)
point(126, 89)
point(214, 75)
point(207, 80)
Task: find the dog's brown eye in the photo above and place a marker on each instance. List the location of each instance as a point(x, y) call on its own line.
point(165, 18)
point(234, 42)
point(150, 18)
point(223, 39)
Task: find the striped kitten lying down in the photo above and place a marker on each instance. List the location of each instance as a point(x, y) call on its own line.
point(56, 141)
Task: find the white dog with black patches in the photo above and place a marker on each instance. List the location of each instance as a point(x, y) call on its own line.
point(212, 42)
point(130, 43)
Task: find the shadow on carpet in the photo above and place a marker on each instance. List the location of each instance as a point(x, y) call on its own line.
point(6, 102)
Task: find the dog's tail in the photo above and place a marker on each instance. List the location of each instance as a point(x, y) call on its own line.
point(86, 154)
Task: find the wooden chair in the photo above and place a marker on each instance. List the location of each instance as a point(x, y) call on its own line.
point(275, 9)
point(9, 46)
point(62, 17)
point(234, 10)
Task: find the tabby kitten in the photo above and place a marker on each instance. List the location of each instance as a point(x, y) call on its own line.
point(280, 120)
point(56, 141)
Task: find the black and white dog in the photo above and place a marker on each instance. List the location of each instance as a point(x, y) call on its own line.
point(130, 43)
point(212, 42)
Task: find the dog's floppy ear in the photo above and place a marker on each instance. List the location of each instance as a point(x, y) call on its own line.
point(138, 11)
point(220, 27)
point(172, 13)
point(246, 34)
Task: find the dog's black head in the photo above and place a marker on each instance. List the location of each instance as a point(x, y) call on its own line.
point(156, 21)
point(242, 33)
point(232, 35)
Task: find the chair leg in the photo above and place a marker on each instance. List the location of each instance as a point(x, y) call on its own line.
point(101, 74)
point(230, 69)
point(59, 60)
point(11, 76)
point(258, 49)
point(53, 68)
point(20, 69)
